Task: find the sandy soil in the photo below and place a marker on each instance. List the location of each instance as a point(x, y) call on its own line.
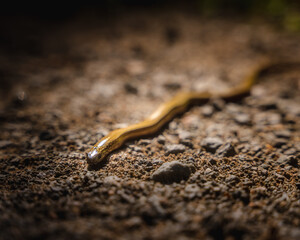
point(239, 161)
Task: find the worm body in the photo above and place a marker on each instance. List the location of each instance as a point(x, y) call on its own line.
point(165, 113)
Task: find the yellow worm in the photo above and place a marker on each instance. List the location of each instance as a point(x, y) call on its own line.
point(165, 112)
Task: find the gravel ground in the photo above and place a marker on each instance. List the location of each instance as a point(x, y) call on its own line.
point(219, 171)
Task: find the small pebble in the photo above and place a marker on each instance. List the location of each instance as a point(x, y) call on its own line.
point(268, 104)
point(242, 118)
point(174, 148)
point(185, 135)
point(227, 150)
point(207, 110)
point(174, 171)
point(290, 160)
point(161, 139)
point(283, 134)
point(207, 171)
point(232, 179)
point(279, 142)
point(291, 151)
point(211, 144)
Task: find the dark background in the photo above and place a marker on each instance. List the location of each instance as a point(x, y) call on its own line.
point(23, 22)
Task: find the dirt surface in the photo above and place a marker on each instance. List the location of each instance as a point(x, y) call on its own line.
point(219, 171)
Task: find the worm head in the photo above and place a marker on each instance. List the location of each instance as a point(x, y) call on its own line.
point(97, 153)
point(93, 156)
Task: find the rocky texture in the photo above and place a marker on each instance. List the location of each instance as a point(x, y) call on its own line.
point(79, 80)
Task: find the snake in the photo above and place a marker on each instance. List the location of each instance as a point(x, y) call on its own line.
point(167, 111)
